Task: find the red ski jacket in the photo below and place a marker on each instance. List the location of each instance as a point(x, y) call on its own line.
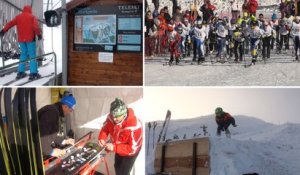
point(27, 25)
point(252, 6)
point(222, 119)
point(126, 136)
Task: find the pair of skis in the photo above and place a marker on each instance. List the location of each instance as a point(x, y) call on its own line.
point(153, 125)
point(19, 137)
point(28, 81)
point(163, 132)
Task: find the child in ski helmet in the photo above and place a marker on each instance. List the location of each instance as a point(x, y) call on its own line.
point(223, 120)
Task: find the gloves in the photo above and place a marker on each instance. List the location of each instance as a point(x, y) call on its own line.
point(2, 33)
point(109, 147)
point(68, 142)
point(40, 37)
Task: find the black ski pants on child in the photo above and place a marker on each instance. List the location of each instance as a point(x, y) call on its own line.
point(224, 125)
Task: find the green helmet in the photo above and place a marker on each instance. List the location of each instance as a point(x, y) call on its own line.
point(219, 111)
point(118, 108)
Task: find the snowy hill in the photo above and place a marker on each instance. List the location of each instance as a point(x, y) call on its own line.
point(255, 146)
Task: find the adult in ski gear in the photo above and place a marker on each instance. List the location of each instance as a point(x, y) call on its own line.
point(252, 7)
point(207, 10)
point(52, 126)
point(126, 134)
point(296, 35)
point(222, 32)
point(267, 36)
point(282, 7)
point(198, 34)
point(238, 38)
point(283, 35)
point(255, 35)
point(27, 29)
point(223, 120)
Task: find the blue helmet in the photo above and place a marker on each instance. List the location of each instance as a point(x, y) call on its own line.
point(69, 101)
point(274, 16)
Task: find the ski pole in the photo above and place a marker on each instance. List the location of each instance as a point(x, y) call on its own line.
point(149, 126)
point(154, 126)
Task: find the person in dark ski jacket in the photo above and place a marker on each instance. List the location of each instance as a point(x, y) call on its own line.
point(27, 29)
point(223, 120)
point(51, 124)
point(126, 134)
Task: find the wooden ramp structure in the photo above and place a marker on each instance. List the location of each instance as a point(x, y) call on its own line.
point(184, 157)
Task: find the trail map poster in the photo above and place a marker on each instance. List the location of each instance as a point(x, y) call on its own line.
point(108, 28)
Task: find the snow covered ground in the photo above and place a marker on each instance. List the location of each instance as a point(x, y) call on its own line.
point(255, 145)
point(280, 70)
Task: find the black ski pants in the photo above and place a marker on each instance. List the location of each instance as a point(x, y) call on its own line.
point(285, 39)
point(238, 50)
point(266, 46)
point(297, 45)
point(224, 125)
point(124, 164)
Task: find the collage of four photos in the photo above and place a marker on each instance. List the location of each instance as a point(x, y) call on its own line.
point(149, 87)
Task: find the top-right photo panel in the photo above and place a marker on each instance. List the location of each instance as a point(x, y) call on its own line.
point(222, 43)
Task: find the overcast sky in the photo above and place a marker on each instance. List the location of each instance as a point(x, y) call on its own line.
point(274, 105)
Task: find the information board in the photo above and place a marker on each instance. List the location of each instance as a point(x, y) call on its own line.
point(108, 28)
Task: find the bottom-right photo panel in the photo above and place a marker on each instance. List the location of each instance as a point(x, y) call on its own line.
point(222, 131)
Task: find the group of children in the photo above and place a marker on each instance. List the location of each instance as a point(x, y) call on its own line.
point(236, 37)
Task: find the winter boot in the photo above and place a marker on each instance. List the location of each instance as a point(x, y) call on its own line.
point(253, 61)
point(34, 76)
point(171, 60)
point(227, 133)
point(177, 61)
point(21, 75)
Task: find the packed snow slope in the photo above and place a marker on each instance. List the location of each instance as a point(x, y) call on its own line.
point(279, 70)
point(255, 146)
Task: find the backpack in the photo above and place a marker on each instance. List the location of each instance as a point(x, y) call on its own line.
point(252, 6)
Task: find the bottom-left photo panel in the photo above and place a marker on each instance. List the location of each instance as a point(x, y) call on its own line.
point(82, 131)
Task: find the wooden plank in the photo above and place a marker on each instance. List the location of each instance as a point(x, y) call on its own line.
point(179, 156)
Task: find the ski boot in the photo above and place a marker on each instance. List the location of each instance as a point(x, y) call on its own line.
point(21, 75)
point(177, 61)
point(227, 133)
point(219, 133)
point(297, 58)
point(171, 60)
point(194, 58)
point(34, 76)
point(253, 61)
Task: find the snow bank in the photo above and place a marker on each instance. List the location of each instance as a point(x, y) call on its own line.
point(255, 146)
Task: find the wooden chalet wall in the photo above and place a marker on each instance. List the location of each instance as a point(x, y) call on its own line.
point(83, 66)
point(179, 157)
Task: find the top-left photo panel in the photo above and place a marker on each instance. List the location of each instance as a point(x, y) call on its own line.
point(71, 43)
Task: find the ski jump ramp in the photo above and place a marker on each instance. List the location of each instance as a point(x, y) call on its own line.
point(183, 157)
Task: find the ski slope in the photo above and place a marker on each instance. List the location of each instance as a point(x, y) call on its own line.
point(280, 70)
point(255, 146)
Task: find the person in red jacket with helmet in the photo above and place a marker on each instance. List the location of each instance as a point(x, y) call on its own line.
point(126, 134)
point(27, 29)
point(224, 120)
